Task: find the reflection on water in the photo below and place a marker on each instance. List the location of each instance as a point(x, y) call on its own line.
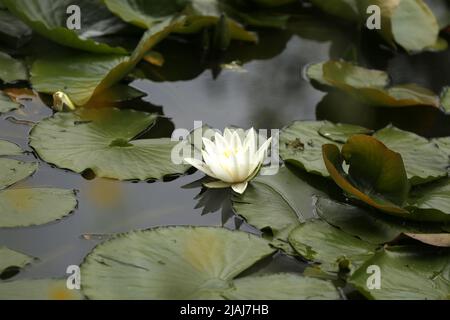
point(270, 94)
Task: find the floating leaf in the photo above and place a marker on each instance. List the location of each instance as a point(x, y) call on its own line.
point(179, 263)
point(423, 161)
point(12, 259)
point(445, 99)
point(9, 149)
point(369, 86)
point(376, 174)
point(12, 171)
point(34, 206)
point(318, 241)
point(281, 287)
point(371, 226)
point(407, 273)
point(12, 30)
point(277, 203)
point(12, 70)
point(103, 140)
point(433, 239)
point(50, 18)
point(6, 105)
point(301, 145)
point(414, 26)
point(81, 76)
point(199, 14)
point(39, 289)
point(431, 201)
point(443, 144)
point(341, 132)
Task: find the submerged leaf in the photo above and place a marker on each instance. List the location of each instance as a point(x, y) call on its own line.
point(103, 140)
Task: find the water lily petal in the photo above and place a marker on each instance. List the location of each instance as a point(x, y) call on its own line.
point(214, 164)
point(200, 166)
point(210, 147)
point(239, 187)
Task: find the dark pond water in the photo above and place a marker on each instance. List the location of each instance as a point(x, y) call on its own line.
point(268, 92)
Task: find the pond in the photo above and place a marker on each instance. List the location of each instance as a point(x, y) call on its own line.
point(263, 85)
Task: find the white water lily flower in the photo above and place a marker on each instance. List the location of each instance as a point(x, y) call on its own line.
point(231, 158)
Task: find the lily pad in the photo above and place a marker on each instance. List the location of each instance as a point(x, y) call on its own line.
point(9, 149)
point(6, 105)
point(301, 145)
point(340, 132)
point(445, 99)
point(431, 201)
point(407, 273)
point(38, 289)
point(13, 31)
point(443, 144)
point(276, 203)
point(424, 162)
point(199, 14)
point(369, 86)
point(374, 227)
point(12, 70)
point(12, 259)
point(281, 287)
point(376, 174)
point(179, 263)
point(12, 171)
point(49, 19)
point(34, 206)
point(103, 140)
point(81, 76)
point(335, 250)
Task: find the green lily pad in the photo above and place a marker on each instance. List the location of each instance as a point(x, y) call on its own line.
point(301, 145)
point(38, 289)
point(10, 258)
point(9, 149)
point(12, 30)
point(376, 174)
point(12, 70)
point(431, 201)
point(103, 140)
point(445, 99)
point(443, 144)
point(335, 250)
point(407, 273)
point(49, 19)
point(276, 203)
point(12, 171)
point(81, 76)
point(199, 14)
point(6, 105)
point(340, 132)
point(281, 287)
point(369, 86)
point(374, 227)
point(178, 263)
point(424, 162)
point(414, 26)
point(34, 206)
